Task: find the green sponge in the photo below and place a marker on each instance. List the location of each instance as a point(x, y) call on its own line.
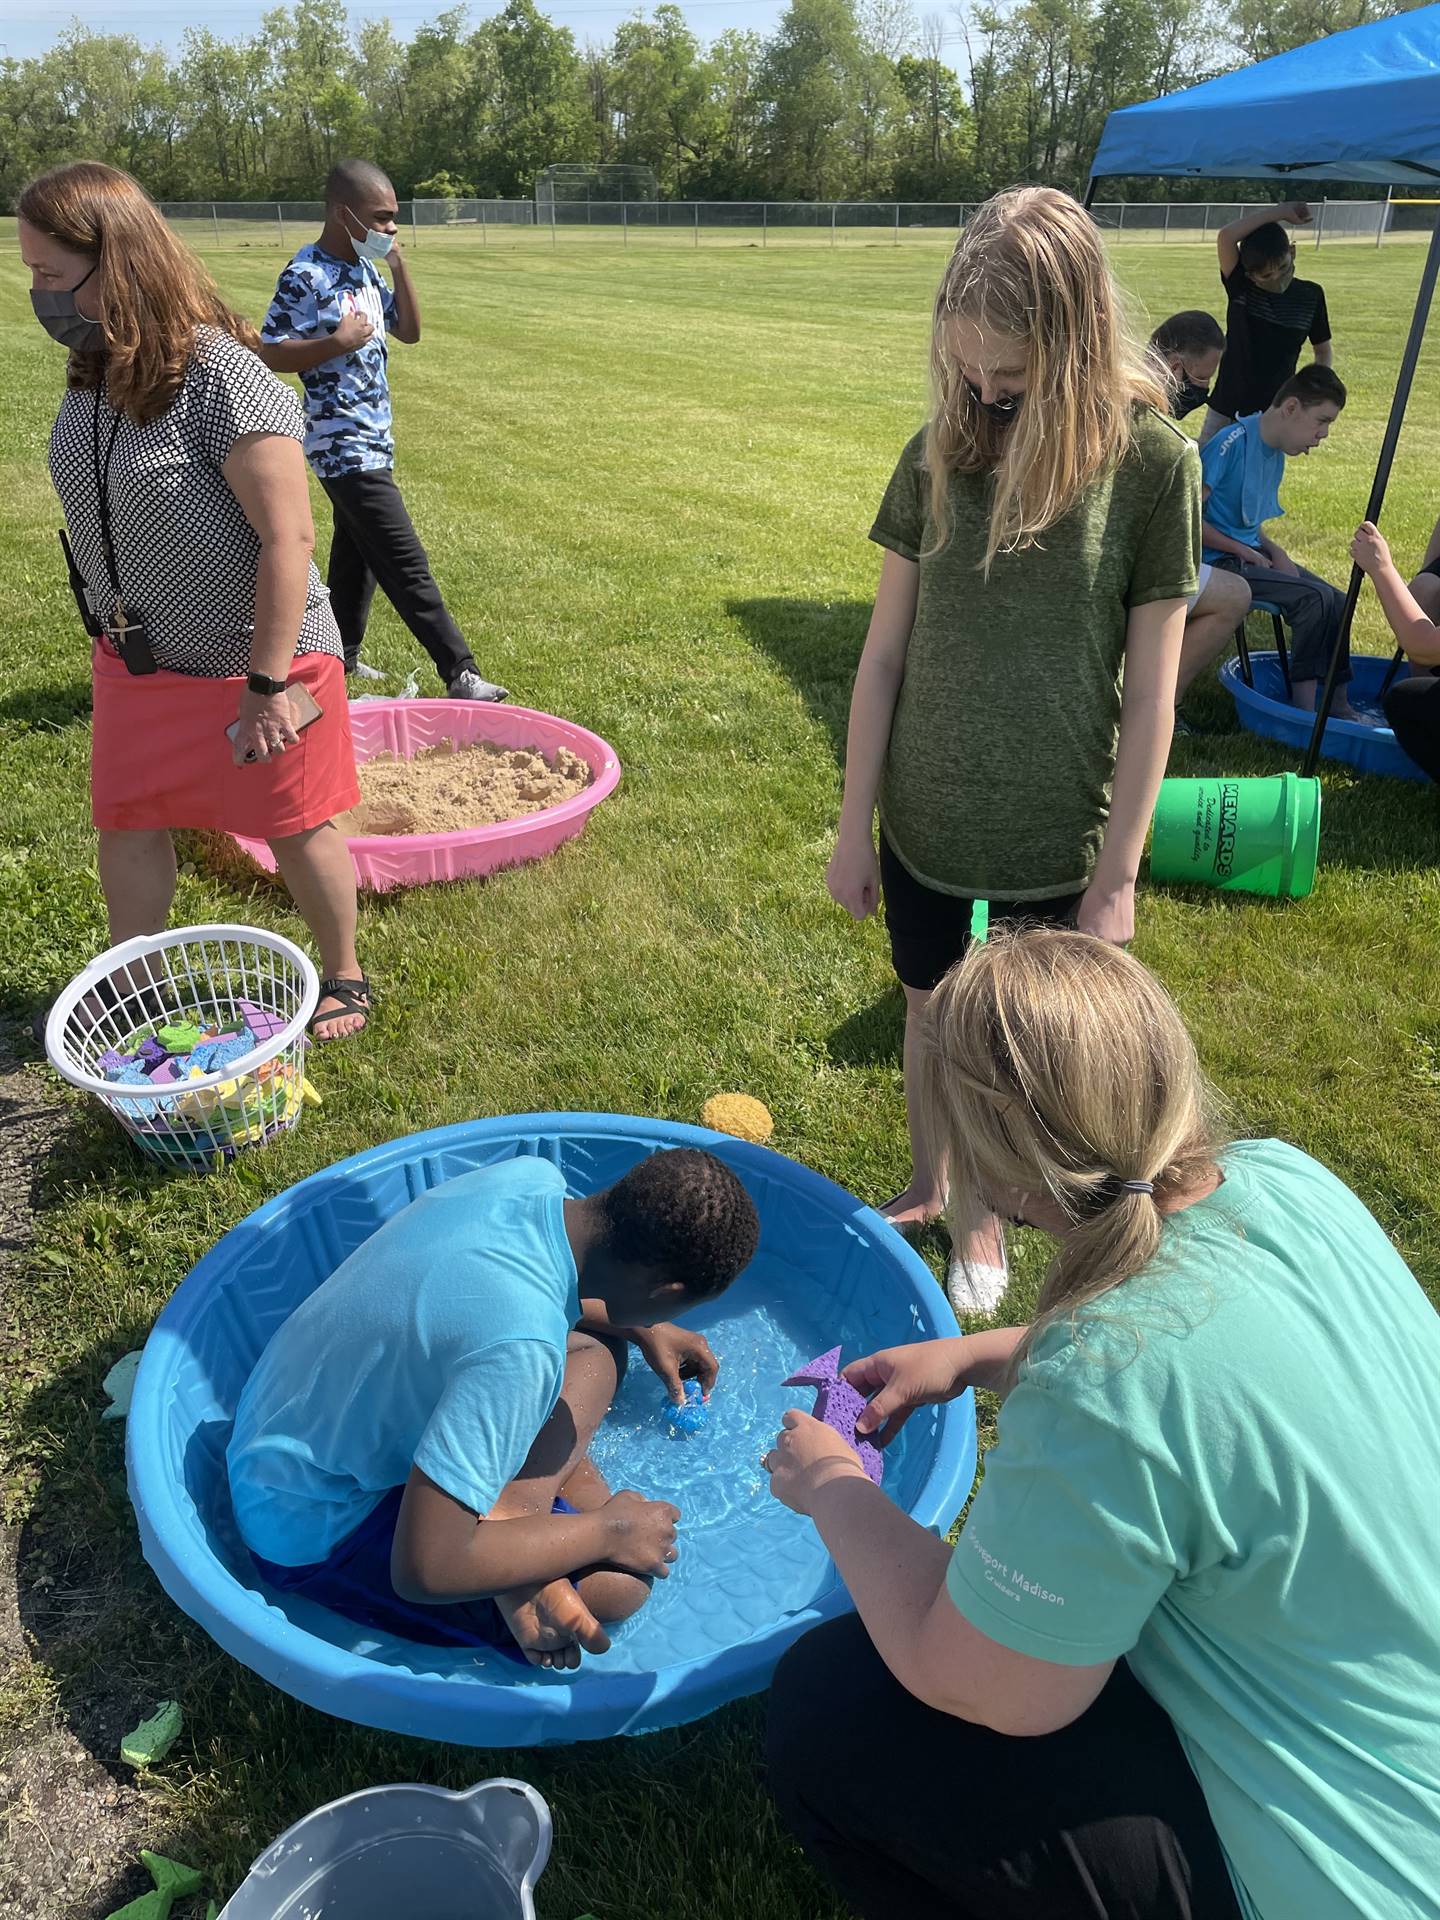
point(153, 1738)
point(172, 1882)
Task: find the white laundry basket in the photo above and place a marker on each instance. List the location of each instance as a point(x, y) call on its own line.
point(215, 977)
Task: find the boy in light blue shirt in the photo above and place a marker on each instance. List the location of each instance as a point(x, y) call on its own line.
point(1243, 467)
point(412, 1447)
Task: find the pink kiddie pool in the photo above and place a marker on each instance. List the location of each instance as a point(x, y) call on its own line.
point(407, 727)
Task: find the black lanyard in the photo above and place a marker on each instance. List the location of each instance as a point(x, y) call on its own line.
point(102, 503)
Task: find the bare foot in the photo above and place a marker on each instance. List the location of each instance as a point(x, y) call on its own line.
point(913, 1208)
point(552, 1624)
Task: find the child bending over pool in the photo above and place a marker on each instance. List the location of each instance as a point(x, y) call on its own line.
point(412, 1448)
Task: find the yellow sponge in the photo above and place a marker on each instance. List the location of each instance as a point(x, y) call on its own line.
point(740, 1114)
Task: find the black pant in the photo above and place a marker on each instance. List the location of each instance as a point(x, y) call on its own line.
point(1309, 606)
point(1412, 708)
point(374, 541)
point(915, 1815)
point(929, 930)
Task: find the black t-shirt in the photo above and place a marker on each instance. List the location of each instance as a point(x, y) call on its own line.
point(1264, 333)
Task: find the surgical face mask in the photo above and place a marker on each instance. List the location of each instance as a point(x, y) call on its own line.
point(1002, 412)
point(63, 320)
point(375, 244)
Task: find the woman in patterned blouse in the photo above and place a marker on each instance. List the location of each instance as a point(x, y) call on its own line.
point(176, 455)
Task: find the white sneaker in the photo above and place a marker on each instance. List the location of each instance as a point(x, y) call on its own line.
point(469, 685)
point(977, 1287)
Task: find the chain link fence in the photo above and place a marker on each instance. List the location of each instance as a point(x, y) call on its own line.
point(765, 223)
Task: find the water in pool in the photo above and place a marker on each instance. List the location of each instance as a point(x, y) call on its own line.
point(745, 1560)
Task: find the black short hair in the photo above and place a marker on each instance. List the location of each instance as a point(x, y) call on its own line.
point(348, 180)
point(1193, 331)
point(1265, 245)
point(683, 1211)
point(1312, 386)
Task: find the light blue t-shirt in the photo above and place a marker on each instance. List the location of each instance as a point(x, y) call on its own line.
point(347, 399)
point(1244, 476)
point(440, 1343)
point(1228, 1471)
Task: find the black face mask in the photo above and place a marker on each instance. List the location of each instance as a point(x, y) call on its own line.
point(63, 320)
point(1189, 394)
point(1002, 412)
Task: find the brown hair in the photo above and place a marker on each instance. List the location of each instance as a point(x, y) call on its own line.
point(153, 292)
point(1056, 1064)
point(1312, 386)
point(1031, 265)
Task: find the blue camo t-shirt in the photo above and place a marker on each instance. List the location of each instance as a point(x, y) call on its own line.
point(1228, 1471)
point(1243, 476)
point(440, 1343)
point(347, 400)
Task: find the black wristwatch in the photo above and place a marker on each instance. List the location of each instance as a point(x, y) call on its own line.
point(262, 683)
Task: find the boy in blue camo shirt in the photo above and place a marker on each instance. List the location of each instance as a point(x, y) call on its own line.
point(328, 323)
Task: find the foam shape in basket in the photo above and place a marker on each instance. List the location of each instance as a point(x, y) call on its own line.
point(408, 727)
point(745, 1587)
point(1263, 709)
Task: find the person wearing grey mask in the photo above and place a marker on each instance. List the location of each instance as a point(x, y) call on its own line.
point(330, 323)
point(1269, 314)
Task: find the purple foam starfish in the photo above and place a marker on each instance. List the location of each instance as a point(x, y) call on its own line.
point(839, 1405)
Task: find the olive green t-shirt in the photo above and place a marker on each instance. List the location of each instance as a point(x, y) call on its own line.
point(996, 782)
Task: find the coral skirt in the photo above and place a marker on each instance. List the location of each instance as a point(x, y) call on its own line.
point(160, 757)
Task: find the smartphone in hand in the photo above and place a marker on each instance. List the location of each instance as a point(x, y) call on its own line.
point(303, 709)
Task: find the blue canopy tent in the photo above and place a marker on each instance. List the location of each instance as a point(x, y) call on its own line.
point(1359, 106)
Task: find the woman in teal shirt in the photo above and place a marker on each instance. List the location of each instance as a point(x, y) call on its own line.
point(1185, 1659)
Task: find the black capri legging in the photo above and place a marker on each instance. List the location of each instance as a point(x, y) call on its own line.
point(914, 1815)
point(1412, 707)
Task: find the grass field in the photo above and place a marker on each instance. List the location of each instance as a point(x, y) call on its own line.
point(645, 479)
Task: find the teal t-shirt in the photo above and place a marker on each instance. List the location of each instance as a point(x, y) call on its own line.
point(439, 1342)
point(1229, 1472)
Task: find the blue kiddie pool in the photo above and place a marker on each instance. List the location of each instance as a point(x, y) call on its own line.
point(1264, 709)
point(751, 1578)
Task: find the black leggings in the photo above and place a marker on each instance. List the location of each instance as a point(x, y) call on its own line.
point(915, 1815)
point(1412, 707)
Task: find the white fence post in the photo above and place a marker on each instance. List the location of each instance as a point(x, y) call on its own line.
point(897, 223)
point(414, 224)
point(484, 230)
point(764, 223)
point(552, 224)
point(1205, 223)
point(625, 219)
point(1380, 223)
point(832, 223)
point(1320, 223)
point(1165, 233)
point(215, 222)
point(697, 223)
point(280, 224)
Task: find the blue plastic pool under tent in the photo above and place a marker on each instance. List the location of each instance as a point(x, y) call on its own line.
point(1364, 106)
point(1264, 709)
point(828, 1269)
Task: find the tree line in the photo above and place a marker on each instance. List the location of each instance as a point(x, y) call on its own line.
point(846, 99)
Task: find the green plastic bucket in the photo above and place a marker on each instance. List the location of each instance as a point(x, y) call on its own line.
point(1255, 836)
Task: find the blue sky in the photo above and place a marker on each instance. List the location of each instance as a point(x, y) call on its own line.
point(28, 27)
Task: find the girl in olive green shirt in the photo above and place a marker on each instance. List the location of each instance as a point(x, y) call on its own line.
point(1013, 707)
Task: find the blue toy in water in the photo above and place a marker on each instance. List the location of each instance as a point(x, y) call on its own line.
point(692, 1416)
point(751, 1577)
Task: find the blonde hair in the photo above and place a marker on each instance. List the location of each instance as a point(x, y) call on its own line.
point(1055, 1064)
point(153, 292)
point(1031, 265)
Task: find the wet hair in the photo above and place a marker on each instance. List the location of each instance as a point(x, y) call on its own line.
point(1191, 332)
point(683, 1212)
point(1312, 386)
point(152, 291)
point(1265, 246)
point(352, 180)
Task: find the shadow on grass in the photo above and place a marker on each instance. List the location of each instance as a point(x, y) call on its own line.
point(872, 1036)
point(250, 1761)
point(46, 709)
point(817, 645)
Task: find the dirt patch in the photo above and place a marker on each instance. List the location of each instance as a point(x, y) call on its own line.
point(445, 789)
